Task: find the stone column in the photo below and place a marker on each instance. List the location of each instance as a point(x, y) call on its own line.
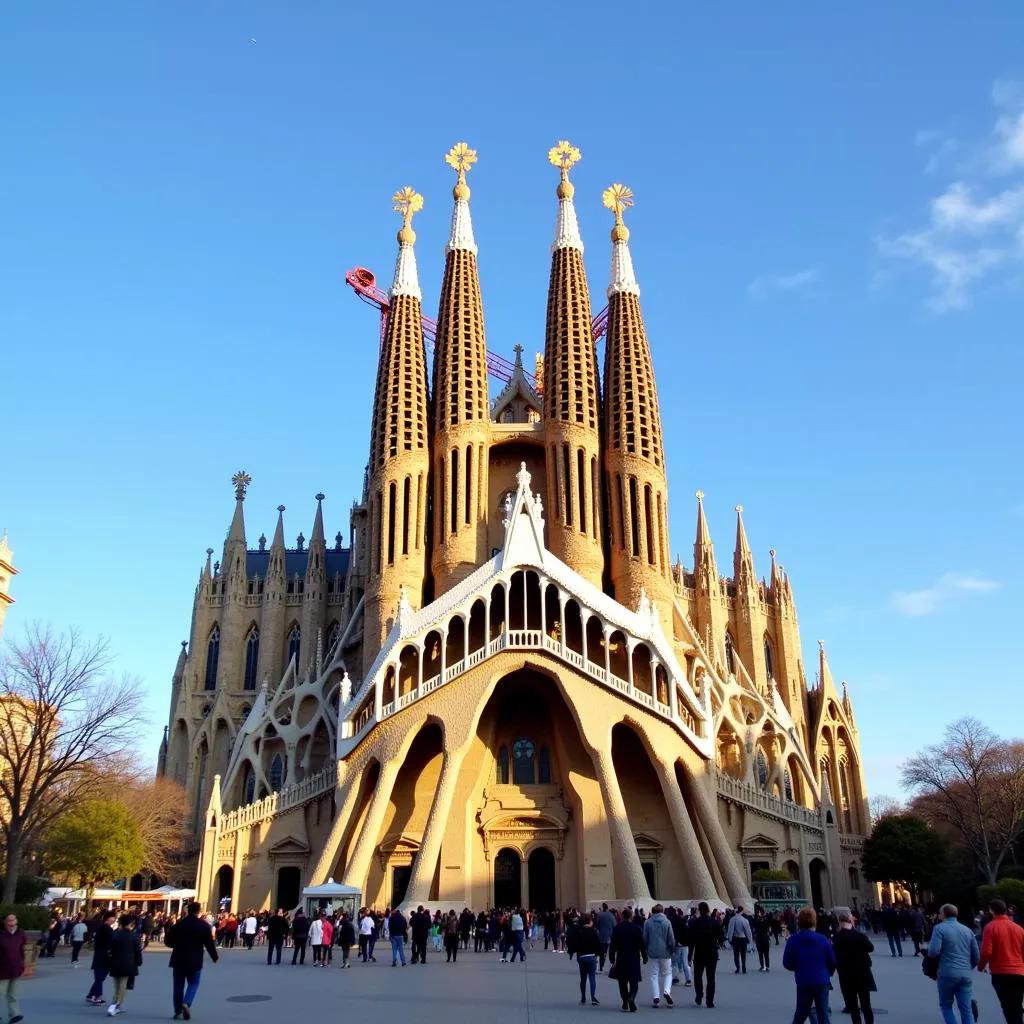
point(359, 863)
point(347, 788)
point(236, 868)
point(707, 811)
point(618, 822)
point(686, 836)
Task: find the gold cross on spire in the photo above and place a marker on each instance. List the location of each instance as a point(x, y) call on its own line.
point(461, 158)
point(616, 198)
point(563, 156)
point(407, 201)
point(241, 480)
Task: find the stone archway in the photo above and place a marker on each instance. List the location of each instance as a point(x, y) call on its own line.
point(508, 878)
point(542, 890)
point(225, 881)
point(821, 889)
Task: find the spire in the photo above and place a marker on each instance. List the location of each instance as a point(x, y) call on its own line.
point(318, 523)
point(824, 673)
point(241, 481)
point(207, 573)
point(567, 231)
point(703, 549)
point(275, 566)
point(406, 282)
point(743, 558)
point(316, 560)
point(461, 158)
point(617, 198)
point(777, 582)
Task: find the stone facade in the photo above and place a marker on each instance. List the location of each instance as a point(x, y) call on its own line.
point(7, 573)
point(482, 700)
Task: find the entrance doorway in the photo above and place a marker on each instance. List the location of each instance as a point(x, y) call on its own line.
point(541, 872)
point(508, 882)
point(400, 878)
point(821, 891)
point(225, 881)
point(288, 888)
point(648, 869)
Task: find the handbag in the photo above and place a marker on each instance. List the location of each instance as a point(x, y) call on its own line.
point(613, 972)
point(930, 966)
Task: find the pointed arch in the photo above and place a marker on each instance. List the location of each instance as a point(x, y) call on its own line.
point(730, 654)
point(277, 773)
point(212, 658)
point(769, 657)
point(252, 657)
point(294, 644)
point(762, 768)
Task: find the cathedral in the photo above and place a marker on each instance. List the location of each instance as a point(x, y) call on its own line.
point(502, 690)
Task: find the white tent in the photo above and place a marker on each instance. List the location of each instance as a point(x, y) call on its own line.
point(332, 895)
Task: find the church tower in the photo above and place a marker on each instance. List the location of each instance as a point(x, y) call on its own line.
point(399, 447)
point(572, 413)
point(461, 400)
point(7, 571)
point(634, 456)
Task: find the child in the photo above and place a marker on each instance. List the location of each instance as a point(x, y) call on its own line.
point(125, 954)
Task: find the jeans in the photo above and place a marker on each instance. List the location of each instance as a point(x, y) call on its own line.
point(604, 955)
point(895, 944)
point(397, 949)
point(680, 964)
point(588, 970)
point(1010, 990)
point(9, 989)
point(185, 996)
point(517, 946)
point(857, 999)
point(76, 948)
point(739, 954)
point(955, 987)
point(661, 977)
point(99, 975)
point(299, 952)
point(274, 947)
point(700, 967)
point(248, 939)
point(419, 948)
point(763, 955)
point(808, 997)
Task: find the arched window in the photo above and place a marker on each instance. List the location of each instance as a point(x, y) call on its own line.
point(730, 661)
point(333, 636)
point(788, 785)
point(250, 785)
point(503, 766)
point(762, 769)
point(276, 774)
point(212, 658)
point(252, 657)
point(294, 642)
point(523, 767)
point(768, 664)
point(544, 766)
point(854, 878)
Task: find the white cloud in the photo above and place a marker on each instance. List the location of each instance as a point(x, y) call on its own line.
point(762, 287)
point(975, 232)
point(927, 600)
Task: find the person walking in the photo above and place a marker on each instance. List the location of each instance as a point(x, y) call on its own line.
point(12, 966)
point(585, 943)
point(739, 935)
point(249, 928)
point(1002, 952)
point(188, 940)
point(316, 938)
point(419, 924)
point(853, 949)
point(893, 925)
point(762, 928)
point(328, 949)
point(706, 936)
point(277, 932)
point(300, 936)
point(518, 929)
point(346, 939)
point(100, 961)
point(661, 943)
point(125, 959)
point(604, 923)
point(957, 950)
point(808, 954)
point(450, 927)
point(367, 936)
point(398, 929)
point(79, 931)
point(627, 953)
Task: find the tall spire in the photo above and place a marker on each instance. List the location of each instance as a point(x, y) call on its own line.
point(703, 549)
point(406, 281)
point(571, 392)
point(617, 198)
point(461, 158)
point(241, 481)
point(743, 558)
point(318, 523)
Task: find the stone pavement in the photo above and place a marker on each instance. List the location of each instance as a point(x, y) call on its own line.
point(478, 989)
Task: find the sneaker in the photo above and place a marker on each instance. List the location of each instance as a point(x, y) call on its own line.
point(668, 999)
point(687, 984)
point(655, 1003)
point(112, 1010)
point(186, 1012)
point(594, 1002)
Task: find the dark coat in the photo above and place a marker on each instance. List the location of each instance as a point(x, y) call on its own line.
point(628, 951)
point(346, 934)
point(706, 934)
point(187, 939)
point(125, 953)
point(584, 941)
point(300, 927)
point(277, 928)
point(853, 951)
point(12, 953)
point(100, 946)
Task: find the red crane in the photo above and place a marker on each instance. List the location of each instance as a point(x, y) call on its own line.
point(364, 284)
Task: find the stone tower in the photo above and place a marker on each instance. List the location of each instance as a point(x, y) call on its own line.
point(572, 412)
point(461, 400)
point(399, 448)
point(7, 572)
point(634, 456)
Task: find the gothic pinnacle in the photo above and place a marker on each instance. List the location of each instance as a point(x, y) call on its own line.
point(407, 202)
point(567, 231)
point(617, 198)
point(461, 158)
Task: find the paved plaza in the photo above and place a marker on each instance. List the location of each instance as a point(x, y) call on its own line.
point(478, 989)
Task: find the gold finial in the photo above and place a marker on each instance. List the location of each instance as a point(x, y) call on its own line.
point(616, 198)
point(699, 495)
point(739, 508)
point(241, 480)
point(461, 158)
point(563, 156)
point(407, 201)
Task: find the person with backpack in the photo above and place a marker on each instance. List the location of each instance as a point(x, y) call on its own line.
point(124, 958)
point(450, 927)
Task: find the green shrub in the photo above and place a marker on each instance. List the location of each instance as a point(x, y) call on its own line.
point(1011, 890)
point(30, 917)
point(30, 889)
point(771, 875)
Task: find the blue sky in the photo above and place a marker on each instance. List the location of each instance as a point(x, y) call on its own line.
point(828, 233)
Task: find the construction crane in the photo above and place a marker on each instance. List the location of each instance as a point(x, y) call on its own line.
point(364, 283)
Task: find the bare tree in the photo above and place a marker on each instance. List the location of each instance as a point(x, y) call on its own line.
point(881, 806)
point(972, 783)
point(64, 721)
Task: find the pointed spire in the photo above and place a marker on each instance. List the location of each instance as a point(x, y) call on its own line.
point(567, 230)
point(617, 198)
point(743, 558)
point(461, 158)
point(824, 673)
point(275, 566)
point(207, 570)
point(318, 523)
point(406, 282)
point(316, 561)
point(241, 481)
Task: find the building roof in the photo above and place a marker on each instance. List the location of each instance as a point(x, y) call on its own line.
point(295, 561)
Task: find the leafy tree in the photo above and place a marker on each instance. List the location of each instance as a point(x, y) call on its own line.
point(63, 722)
point(31, 889)
point(97, 841)
point(904, 848)
point(1010, 890)
point(971, 784)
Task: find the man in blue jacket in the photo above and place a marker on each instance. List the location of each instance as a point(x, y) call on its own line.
point(957, 949)
point(808, 954)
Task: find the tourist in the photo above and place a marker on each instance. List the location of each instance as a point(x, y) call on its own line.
point(957, 950)
point(367, 937)
point(300, 936)
point(739, 936)
point(188, 939)
point(517, 928)
point(125, 959)
point(626, 953)
point(465, 927)
point(1002, 952)
point(915, 927)
point(893, 930)
point(249, 928)
point(661, 943)
point(12, 965)
point(762, 928)
point(480, 934)
point(853, 951)
point(79, 931)
point(316, 937)
point(100, 946)
point(346, 939)
point(450, 927)
point(277, 932)
point(808, 954)
point(585, 943)
point(706, 936)
point(398, 929)
point(327, 956)
point(419, 925)
point(604, 924)
point(436, 929)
